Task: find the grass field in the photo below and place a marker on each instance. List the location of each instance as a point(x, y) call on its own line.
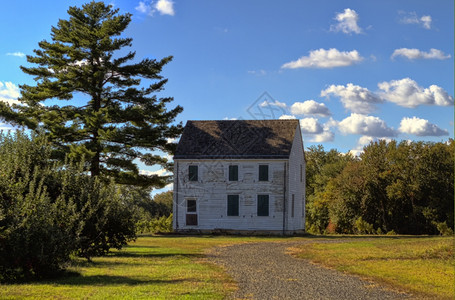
point(155, 267)
point(167, 267)
point(424, 266)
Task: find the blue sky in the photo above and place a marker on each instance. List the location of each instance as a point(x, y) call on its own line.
point(351, 71)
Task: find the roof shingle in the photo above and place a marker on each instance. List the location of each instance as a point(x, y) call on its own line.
point(236, 139)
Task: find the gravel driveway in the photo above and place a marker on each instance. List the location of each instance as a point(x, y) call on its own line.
point(265, 271)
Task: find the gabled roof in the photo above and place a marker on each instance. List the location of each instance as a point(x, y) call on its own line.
point(237, 139)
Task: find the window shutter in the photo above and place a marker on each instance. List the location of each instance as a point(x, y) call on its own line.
point(233, 205)
point(263, 205)
point(263, 173)
point(233, 173)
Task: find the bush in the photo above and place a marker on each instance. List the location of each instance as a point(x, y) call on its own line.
point(37, 231)
point(156, 225)
point(363, 227)
point(49, 211)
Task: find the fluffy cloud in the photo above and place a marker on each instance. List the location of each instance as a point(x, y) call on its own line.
point(412, 18)
point(355, 98)
point(310, 107)
point(347, 22)
point(325, 59)
point(287, 117)
point(406, 92)
point(18, 54)
point(417, 54)
point(310, 126)
point(420, 127)
point(325, 136)
point(9, 92)
point(274, 103)
point(365, 125)
point(164, 7)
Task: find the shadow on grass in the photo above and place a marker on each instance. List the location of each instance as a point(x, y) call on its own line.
point(102, 280)
point(152, 255)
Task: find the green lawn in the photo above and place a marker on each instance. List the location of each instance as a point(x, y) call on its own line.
point(155, 267)
point(422, 265)
point(166, 267)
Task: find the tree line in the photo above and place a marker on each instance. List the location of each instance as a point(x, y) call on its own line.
point(392, 187)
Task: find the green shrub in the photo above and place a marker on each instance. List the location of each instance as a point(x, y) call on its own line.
point(363, 227)
point(37, 231)
point(159, 225)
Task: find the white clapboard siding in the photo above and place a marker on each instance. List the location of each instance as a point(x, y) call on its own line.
point(213, 186)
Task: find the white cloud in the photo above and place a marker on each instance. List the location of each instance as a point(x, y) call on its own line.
point(274, 103)
point(310, 107)
point(325, 136)
point(365, 141)
point(165, 7)
point(347, 22)
point(417, 54)
point(310, 126)
point(160, 172)
point(412, 18)
point(287, 117)
point(365, 125)
point(355, 98)
point(18, 54)
point(420, 127)
point(325, 59)
point(144, 8)
point(406, 92)
point(9, 92)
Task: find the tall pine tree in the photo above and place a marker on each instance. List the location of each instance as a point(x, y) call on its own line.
point(103, 113)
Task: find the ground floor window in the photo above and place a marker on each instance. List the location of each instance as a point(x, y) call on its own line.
point(233, 205)
point(191, 212)
point(263, 205)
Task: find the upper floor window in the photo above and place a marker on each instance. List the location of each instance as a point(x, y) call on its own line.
point(233, 173)
point(192, 173)
point(263, 173)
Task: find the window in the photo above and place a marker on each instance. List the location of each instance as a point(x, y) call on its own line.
point(233, 205)
point(191, 212)
point(263, 173)
point(233, 173)
point(263, 205)
point(192, 172)
point(301, 173)
point(292, 206)
point(190, 205)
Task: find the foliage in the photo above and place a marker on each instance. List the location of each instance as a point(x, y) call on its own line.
point(50, 210)
point(38, 230)
point(159, 225)
point(404, 187)
point(116, 119)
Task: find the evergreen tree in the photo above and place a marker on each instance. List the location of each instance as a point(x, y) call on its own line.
point(114, 120)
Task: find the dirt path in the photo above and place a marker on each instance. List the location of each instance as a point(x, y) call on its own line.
point(265, 271)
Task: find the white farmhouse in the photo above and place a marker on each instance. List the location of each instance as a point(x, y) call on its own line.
point(240, 176)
